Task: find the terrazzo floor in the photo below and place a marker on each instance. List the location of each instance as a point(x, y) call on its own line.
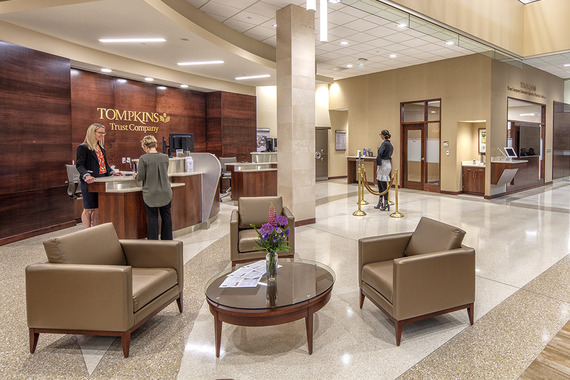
point(522, 301)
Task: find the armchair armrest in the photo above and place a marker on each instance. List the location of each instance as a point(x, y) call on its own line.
point(79, 297)
point(155, 254)
point(291, 220)
point(433, 281)
point(382, 248)
point(234, 235)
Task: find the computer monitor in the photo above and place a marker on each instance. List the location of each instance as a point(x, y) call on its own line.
point(184, 141)
point(510, 152)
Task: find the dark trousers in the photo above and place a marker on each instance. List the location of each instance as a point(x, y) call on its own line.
point(152, 222)
point(382, 186)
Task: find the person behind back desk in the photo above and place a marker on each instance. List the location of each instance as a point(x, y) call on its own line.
point(91, 162)
point(157, 192)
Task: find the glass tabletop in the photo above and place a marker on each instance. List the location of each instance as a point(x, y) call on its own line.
point(297, 281)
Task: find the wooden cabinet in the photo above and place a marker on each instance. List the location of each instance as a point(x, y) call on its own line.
point(473, 180)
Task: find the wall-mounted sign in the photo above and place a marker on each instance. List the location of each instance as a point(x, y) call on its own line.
point(132, 121)
point(526, 89)
point(340, 140)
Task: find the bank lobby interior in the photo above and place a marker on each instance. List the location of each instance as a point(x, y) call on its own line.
point(445, 105)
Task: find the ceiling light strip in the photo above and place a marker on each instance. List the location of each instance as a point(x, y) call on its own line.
point(130, 40)
point(323, 21)
point(253, 77)
point(196, 63)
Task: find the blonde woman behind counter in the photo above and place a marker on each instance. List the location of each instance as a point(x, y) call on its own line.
point(152, 171)
point(91, 163)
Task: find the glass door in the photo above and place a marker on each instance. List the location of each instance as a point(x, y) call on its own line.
point(414, 157)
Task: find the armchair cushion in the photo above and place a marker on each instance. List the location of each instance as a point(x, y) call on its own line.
point(433, 236)
point(379, 275)
point(149, 283)
point(254, 210)
point(99, 246)
point(247, 241)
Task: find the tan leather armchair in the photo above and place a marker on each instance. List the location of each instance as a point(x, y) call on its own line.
point(255, 210)
point(96, 284)
point(417, 275)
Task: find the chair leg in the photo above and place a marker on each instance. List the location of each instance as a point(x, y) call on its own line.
point(470, 312)
point(398, 332)
point(180, 303)
point(126, 343)
point(34, 336)
point(361, 298)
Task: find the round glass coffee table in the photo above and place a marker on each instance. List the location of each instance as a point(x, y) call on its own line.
point(302, 287)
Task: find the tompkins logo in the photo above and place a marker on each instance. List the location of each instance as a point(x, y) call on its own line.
point(132, 116)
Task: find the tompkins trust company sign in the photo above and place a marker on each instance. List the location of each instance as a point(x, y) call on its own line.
point(132, 121)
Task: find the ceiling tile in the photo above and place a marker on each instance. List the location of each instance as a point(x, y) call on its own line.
point(215, 8)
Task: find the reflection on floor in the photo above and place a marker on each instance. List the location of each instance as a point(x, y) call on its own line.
point(522, 301)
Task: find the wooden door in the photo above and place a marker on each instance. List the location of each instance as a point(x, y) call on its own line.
point(414, 156)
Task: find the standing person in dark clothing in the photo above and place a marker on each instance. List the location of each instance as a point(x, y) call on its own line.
point(91, 162)
point(383, 169)
point(157, 192)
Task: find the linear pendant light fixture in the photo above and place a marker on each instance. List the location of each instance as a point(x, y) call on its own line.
point(312, 5)
point(323, 21)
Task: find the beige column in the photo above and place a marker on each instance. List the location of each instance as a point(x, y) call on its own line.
point(296, 111)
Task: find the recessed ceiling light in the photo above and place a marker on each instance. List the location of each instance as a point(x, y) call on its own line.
point(131, 40)
point(344, 43)
point(402, 25)
point(106, 70)
point(528, 1)
point(184, 86)
point(161, 88)
point(121, 80)
point(149, 79)
point(567, 65)
point(449, 43)
point(253, 77)
point(196, 63)
point(349, 65)
point(275, 25)
point(393, 55)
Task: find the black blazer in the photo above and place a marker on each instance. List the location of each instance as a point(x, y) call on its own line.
point(87, 162)
point(384, 152)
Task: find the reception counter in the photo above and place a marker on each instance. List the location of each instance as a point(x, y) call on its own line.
point(253, 179)
point(195, 199)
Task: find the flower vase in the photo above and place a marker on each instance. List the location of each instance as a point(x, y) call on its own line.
point(271, 265)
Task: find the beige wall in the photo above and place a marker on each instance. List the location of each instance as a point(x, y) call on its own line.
point(337, 158)
point(471, 89)
point(373, 103)
point(498, 21)
point(546, 27)
point(266, 105)
point(506, 82)
point(567, 91)
point(538, 28)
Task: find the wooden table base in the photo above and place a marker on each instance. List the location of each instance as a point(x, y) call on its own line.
point(268, 317)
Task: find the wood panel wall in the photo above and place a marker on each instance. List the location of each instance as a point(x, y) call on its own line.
point(35, 122)
point(561, 141)
point(45, 109)
point(231, 125)
point(185, 110)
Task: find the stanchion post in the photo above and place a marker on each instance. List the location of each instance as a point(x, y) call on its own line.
point(362, 200)
point(396, 214)
point(359, 212)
